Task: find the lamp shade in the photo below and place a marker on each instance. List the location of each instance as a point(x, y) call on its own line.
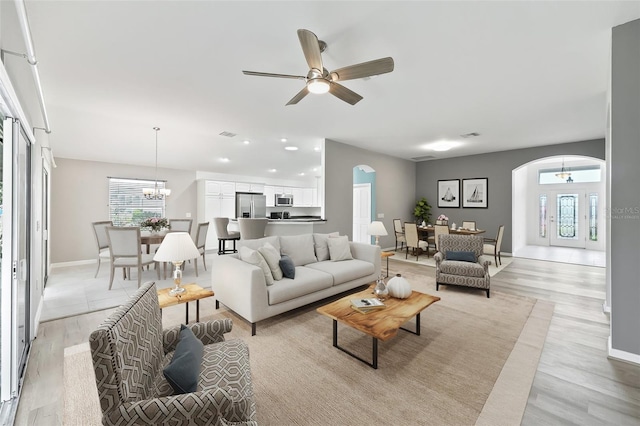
point(176, 246)
point(377, 228)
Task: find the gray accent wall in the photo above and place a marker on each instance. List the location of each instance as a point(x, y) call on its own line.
point(625, 196)
point(395, 188)
point(497, 167)
point(80, 195)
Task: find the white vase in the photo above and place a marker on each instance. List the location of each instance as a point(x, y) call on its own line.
point(399, 287)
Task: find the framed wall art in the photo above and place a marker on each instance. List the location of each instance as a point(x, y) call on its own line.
point(475, 193)
point(449, 193)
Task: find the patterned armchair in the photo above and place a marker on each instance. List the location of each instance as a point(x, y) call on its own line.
point(130, 349)
point(462, 273)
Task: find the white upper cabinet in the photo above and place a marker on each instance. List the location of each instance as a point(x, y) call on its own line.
point(214, 187)
point(249, 187)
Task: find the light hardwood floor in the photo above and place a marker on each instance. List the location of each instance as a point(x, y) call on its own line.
point(575, 382)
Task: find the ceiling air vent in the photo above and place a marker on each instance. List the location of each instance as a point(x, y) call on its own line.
point(426, 157)
point(470, 135)
point(227, 134)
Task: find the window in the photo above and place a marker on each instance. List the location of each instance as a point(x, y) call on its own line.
point(593, 217)
point(127, 205)
point(580, 174)
point(542, 216)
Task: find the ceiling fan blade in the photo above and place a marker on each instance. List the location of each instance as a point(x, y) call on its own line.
point(298, 97)
point(267, 74)
point(341, 92)
point(311, 49)
point(365, 69)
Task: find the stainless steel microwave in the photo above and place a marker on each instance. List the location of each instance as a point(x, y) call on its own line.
point(284, 200)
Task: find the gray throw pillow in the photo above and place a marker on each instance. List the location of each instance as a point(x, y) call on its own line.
point(184, 369)
point(463, 256)
point(321, 246)
point(287, 266)
point(299, 248)
point(339, 248)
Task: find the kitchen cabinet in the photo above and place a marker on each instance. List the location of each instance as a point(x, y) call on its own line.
point(270, 193)
point(307, 197)
point(215, 199)
point(250, 187)
point(297, 196)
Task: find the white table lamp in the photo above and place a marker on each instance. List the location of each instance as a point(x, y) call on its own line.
point(176, 248)
point(376, 228)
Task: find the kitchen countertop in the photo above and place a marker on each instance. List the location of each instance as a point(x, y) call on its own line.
point(292, 220)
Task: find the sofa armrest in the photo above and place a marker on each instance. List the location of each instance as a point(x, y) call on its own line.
point(182, 409)
point(240, 286)
point(208, 332)
point(368, 253)
point(484, 261)
point(439, 257)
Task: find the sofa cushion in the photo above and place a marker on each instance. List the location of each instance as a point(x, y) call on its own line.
point(456, 267)
point(299, 248)
point(184, 369)
point(255, 258)
point(287, 266)
point(339, 248)
point(347, 270)
point(272, 257)
point(307, 281)
point(320, 245)
point(256, 244)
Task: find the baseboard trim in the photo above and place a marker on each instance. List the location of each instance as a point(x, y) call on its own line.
point(76, 263)
point(622, 355)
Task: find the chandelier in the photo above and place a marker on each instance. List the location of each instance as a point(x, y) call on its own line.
point(156, 193)
point(564, 175)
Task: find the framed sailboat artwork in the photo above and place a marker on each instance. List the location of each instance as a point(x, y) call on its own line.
point(475, 193)
point(449, 193)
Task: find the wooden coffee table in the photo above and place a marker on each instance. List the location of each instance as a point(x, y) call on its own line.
point(380, 325)
point(193, 292)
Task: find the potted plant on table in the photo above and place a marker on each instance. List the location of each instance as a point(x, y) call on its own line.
point(155, 224)
point(422, 211)
point(442, 220)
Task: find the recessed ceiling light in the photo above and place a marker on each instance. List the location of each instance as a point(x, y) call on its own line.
point(301, 173)
point(283, 140)
point(272, 170)
point(442, 145)
point(291, 148)
point(317, 149)
point(246, 142)
point(224, 159)
point(315, 169)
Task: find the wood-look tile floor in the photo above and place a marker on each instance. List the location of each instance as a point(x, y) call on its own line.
point(575, 382)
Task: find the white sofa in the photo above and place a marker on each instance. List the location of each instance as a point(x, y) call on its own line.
point(242, 287)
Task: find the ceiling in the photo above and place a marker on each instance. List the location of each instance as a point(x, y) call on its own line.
point(520, 74)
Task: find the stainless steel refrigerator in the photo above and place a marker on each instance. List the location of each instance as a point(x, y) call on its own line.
point(251, 205)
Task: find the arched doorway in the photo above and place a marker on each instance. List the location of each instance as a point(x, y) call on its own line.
point(563, 214)
point(364, 202)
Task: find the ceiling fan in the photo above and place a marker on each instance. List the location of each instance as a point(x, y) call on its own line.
point(319, 80)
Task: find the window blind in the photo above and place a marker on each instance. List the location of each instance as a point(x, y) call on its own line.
point(127, 205)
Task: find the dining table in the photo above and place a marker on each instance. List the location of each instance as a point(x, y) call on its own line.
point(430, 230)
point(148, 238)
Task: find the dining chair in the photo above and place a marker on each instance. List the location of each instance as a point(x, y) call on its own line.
point(413, 241)
point(437, 231)
point(201, 240)
point(399, 231)
point(221, 224)
point(180, 225)
point(469, 224)
point(124, 249)
point(251, 229)
point(100, 232)
point(492, 245)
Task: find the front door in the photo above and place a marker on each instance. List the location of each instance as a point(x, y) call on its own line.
point(361, 212)
point(567, 218)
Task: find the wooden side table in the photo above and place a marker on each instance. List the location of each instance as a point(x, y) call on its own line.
point(387, 255)
point(192, 292)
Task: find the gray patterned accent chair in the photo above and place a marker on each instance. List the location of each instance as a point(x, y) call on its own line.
point(130, 350)
point(461, 273)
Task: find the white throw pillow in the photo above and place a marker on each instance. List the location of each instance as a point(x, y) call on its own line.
point(299, 248)
point(339, 248)
point(320, 245)
point(256, 244)
point(255, 258)
point(272, 256)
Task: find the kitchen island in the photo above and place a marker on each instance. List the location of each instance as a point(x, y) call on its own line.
point(283, 227)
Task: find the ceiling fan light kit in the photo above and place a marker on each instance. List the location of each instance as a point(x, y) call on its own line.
point(319, 80)
point(156, 193)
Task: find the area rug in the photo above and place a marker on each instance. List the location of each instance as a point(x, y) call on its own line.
point(473, 362)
